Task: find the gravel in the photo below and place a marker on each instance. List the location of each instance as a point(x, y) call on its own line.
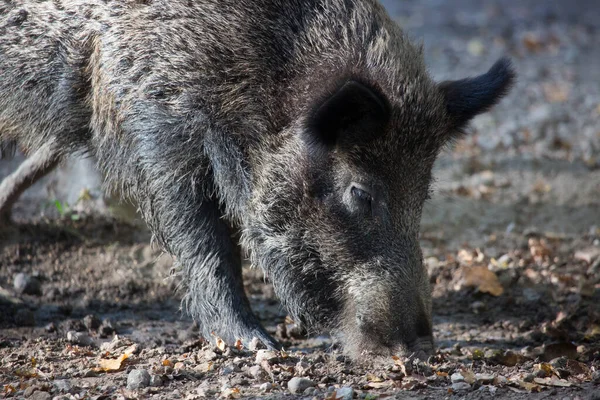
point(137, 379)
point(298, 385)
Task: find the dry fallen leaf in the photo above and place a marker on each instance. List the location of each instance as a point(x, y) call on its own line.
point(379, 385)
point(373, 378)
point(553, 381)
point(111, 364)
point(231, 393)
point(530, 387)
point(481, 278)
point(508, 358)
point(468, 375)
point(547, 368)
point(9, 389)
point(167, 363)
point(115, 364)
point(221, 345)
point(238, 345)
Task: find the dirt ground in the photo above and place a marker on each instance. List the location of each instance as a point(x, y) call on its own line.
point(89, 309)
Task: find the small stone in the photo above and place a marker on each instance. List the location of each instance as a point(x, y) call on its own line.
point(138, 378)
point(106, 329)
point(62, 385)
point(39, 395)
point(344, 393)
point(29, 391)
point(298, 385)
point(256, 344)
point(27, 284)
point(265, 355)
point(461, 387)
point(91, 322)
point(24, 317)
point(266, 387)
point(302, 368)
point(210, 355)
point(50, 328)
point(90, 373)
point(310, 391)
point(457, 377)
point(596, 377)
point(157, 380)
point(257, 372)
point(79, 338)
point(227, 370)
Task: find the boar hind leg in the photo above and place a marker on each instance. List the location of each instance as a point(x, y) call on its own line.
point(38, 164)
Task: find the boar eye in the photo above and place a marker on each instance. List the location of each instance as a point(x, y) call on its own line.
point(361, 194)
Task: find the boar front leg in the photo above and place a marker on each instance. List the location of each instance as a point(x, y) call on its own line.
point(190, 225)
point(215, 292)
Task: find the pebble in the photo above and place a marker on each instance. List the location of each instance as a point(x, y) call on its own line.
point(157, 380)
point(80, 338)
point(265, 355)
point(257, 372)
point(298, 385)
point(91, 322)
point(138, 378)
point(344, 393)
point(256, 344)
point(62, 385)
point(457, 377)
point(27, 284)
point(39, 395)
point(106, 328)
point(50, 328)
point(265, 387)
point(461, 386)
point(310, 391)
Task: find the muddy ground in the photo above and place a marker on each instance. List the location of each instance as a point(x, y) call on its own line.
point(89, 309)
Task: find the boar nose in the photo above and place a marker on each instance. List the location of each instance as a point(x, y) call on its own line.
point(397, 335)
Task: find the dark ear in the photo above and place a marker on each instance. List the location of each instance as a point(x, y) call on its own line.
point(354, 113)
point(469, 97)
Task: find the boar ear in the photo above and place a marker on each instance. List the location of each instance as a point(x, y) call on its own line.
point(469, 97)
point(354, 113)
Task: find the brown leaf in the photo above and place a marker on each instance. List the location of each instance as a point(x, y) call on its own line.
point(373, 378)
point(530, 387)
point(481, 278)
point(509, 358)
point(221, 345)
point(112, 364)
point(547, 368)
point(578, 368)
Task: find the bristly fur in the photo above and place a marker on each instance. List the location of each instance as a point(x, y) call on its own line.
point(201, 111)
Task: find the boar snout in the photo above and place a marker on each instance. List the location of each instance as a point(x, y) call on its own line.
point(388, 317)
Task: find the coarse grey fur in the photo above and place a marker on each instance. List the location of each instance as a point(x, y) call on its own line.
point(310, 126)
